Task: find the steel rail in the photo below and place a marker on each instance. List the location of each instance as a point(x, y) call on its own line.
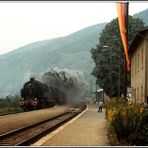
point(10, 113)
point(26, 135)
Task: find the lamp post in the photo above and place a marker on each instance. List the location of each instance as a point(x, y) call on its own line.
point(110, 65)
point(119, 90)
point(90, 89)
point(119, 72)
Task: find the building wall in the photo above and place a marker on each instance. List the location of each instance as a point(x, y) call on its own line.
point(101, 96)
point(139, 75)
point(146, 61)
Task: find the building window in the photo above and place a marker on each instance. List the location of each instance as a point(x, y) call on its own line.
point(135, 65)
point(135, 95)
point(132, 70)
point(138, 63)
point(132, 66)
point(142, 94)
point(138, 95)
point(142, 55)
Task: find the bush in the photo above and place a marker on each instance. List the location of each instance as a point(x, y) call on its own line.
point(9, 104)
point(127, 122)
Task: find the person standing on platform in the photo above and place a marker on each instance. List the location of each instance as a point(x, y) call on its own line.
point(100, 106)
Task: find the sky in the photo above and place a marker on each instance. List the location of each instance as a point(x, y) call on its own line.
point(22, 23)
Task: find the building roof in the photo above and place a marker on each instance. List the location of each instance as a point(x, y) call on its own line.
point(99, 90)
point(137, 39)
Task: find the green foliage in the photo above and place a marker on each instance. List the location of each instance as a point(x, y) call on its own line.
point(128, 123)
point(9, 104)
point(109, 56)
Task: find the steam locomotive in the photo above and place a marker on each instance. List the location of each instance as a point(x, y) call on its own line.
point(36, 95)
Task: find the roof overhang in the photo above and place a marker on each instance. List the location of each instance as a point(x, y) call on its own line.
point(137, 40)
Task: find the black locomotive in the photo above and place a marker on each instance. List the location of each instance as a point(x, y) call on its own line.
point(36, 95)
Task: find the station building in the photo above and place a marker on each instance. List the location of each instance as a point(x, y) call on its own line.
point(138, 52)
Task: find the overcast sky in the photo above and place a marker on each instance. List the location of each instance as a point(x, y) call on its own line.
point(22, 23)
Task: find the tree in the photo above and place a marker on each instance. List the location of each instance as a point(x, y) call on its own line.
point(109, 56)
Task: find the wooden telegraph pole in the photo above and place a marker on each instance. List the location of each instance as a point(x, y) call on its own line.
point(125, 73)
point(122, 9)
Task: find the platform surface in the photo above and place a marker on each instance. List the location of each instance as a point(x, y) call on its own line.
point(87, 130)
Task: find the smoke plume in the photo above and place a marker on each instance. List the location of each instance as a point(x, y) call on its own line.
point(71, 82)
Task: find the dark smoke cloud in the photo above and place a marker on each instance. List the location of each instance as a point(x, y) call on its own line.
point(71, 82)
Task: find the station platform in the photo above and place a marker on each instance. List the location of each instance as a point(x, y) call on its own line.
point(88, 129)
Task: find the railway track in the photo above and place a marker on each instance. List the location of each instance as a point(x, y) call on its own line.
point(4, 114)
point(27, 135)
